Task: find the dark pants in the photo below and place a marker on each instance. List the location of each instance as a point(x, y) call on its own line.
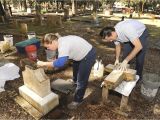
point(81, 72)
point(128, 47)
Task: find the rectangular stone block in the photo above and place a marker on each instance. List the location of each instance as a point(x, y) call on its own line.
point(44, 105)
point(28, 107)
point(114, 78)
point(129, 74)
point(37, 81)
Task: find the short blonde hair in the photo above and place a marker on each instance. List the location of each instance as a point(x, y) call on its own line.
point(48, 38)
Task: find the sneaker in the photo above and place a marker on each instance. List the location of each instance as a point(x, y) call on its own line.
point(73, 105)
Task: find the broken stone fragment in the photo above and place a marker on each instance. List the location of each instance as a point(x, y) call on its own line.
point(4, 46)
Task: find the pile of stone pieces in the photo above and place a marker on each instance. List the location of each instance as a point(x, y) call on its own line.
point(4, 46)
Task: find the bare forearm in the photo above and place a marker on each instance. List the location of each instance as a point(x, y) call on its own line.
point(133, 53)
point(118, 51)
point(137, 47)
point(49, 64)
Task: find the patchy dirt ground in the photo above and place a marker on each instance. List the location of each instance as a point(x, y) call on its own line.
point(92, 108)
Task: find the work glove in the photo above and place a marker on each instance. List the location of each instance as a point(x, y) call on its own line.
point(123, 65)
point(116, 62)
point(40, 63)
point(102, 84)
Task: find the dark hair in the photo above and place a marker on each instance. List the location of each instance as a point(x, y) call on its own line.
point(107, 31)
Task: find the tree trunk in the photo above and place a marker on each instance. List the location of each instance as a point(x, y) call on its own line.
point(4, 4)
point(25, 4)
point(143, 7)
point(73, 7)
point(2, 12)
point(19, 5)
point(129, 3)
point(38, 9)
point(95, 18)
point(57, 4)
point(10, 10)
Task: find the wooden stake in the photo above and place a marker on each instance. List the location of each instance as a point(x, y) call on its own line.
point(105, 93)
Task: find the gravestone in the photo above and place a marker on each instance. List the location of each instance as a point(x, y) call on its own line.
point(23, 28)
point(37, 91)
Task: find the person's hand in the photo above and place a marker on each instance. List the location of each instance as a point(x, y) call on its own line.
point(40, 63)
point(123, 65)
point(116, 62)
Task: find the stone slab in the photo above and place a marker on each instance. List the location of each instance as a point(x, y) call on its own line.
point(37, 81)
point(44, 105)
point(114, 79)
point(64, 86)
point(28, 107)
point(129, 74)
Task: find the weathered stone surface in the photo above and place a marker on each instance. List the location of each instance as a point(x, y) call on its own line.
point(54, 20)
point(44, 105)
point(23, 28)
point(28, 107)
point(156, 109)
point(114, 78)
point(4, 46)
point(37, 81)
point(129, 74)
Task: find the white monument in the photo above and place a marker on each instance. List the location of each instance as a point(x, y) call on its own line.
point(37, 91)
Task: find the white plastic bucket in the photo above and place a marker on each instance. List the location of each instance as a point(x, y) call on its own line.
point(98, 69)
point(150, 85)
point(8, 38)
point(31, 35)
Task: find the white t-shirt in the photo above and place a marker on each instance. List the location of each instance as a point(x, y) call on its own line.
point(129, 30)
point(74, 47)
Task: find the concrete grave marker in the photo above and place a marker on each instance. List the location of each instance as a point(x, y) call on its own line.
point(37, 93)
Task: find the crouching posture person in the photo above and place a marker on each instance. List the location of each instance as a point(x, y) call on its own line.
point(83, 55)
point(133, 34)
